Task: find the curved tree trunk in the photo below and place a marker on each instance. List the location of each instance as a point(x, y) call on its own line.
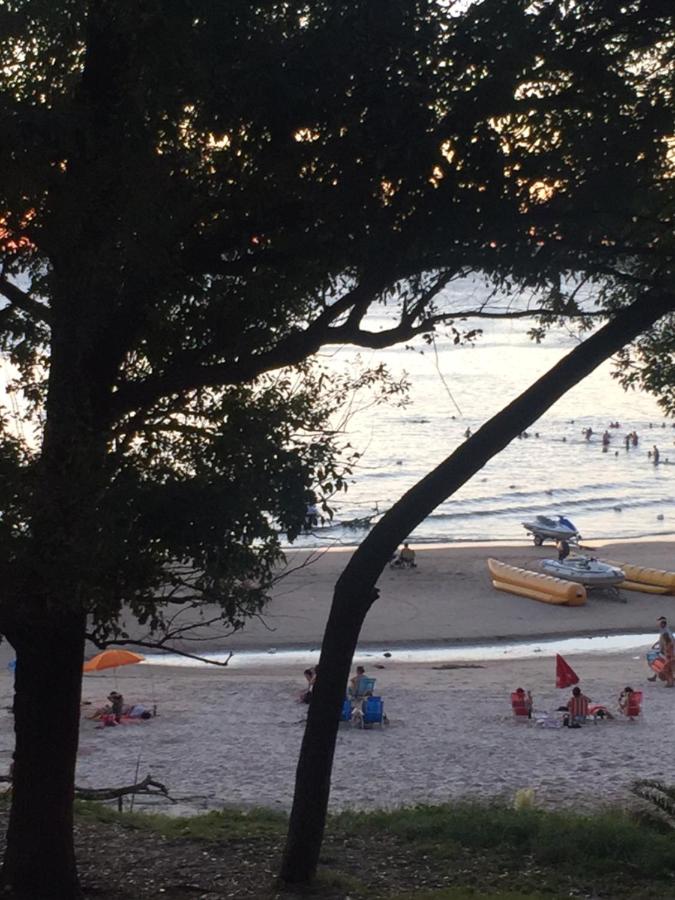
point(39, 857)
point(356, 585)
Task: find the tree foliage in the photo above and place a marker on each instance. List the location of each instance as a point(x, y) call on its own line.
point(194, 198)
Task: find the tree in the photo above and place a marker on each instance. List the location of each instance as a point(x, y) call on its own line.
point(356, 591)
point(635, 273)
point(198, 196)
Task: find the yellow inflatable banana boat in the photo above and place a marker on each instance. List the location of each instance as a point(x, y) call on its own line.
point(649, 581)
point(535, 586)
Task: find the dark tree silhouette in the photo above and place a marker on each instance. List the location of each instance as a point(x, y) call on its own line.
point(194, 198)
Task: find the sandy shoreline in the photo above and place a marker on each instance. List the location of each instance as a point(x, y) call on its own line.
point(231, 736)
point(448, 599)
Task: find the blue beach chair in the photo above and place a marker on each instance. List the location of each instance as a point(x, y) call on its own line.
point(346, 712)
point(372, 711)
point(363, 687)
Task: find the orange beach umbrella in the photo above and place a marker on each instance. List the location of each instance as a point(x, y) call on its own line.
point(111, 659)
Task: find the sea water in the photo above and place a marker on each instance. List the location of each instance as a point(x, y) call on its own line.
point(634, 644)
point(619, 493)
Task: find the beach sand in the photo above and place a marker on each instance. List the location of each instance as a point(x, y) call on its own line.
point(230, 737)
point(448, 598)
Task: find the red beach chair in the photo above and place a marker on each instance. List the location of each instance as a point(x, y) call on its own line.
point(521, 704)
point(634, 705)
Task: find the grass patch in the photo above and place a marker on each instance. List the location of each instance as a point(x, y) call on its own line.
point(462, 852)
point(216, 826)
point(467, 894)
point(604, 843)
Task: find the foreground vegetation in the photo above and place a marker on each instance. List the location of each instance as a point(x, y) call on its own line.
point(426, 853)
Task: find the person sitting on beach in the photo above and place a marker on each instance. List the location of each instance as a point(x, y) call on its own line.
point(577, 708)
point(311, 516)
point(405, 558)
point(310, 678)
point(116, 704)
point(624, 699)
point(522, 700)
point(354, 681)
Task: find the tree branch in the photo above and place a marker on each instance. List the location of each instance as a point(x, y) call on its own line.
point(186, 375)
point(21, 300)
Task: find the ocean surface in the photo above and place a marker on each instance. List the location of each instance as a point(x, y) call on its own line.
point(614, 494)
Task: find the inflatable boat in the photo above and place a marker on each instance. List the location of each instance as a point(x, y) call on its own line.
point(582, 570)
point(514, 580)
point(552, 528)
point(649, 581)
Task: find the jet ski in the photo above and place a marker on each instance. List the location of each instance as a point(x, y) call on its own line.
point(584, 570)
point(553, 528)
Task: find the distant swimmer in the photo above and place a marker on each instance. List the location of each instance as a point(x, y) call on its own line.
point(467, 433)
point(588, 433)
point(626, 441)
point(656, 455)
point(634, 439)
point(606, 438)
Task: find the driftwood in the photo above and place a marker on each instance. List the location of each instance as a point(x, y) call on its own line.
point(147, 786)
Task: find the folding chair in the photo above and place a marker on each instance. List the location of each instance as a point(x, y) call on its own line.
point(372, 711)
point(634, 705)
point(363, 687)
point(346, 711)
point(520, 704)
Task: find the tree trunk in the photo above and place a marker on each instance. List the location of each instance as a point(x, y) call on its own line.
point(39, 861)
point(57, 572)
point(312, 785)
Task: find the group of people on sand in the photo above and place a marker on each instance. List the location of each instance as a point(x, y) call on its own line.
point(579, 708)
point(113, 712)
point(354, 687)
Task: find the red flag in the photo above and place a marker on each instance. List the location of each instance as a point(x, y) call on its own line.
point(565, 676)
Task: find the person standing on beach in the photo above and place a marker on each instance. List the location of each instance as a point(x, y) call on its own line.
point(667, 648)
point(563, 549)
point(663, 626)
